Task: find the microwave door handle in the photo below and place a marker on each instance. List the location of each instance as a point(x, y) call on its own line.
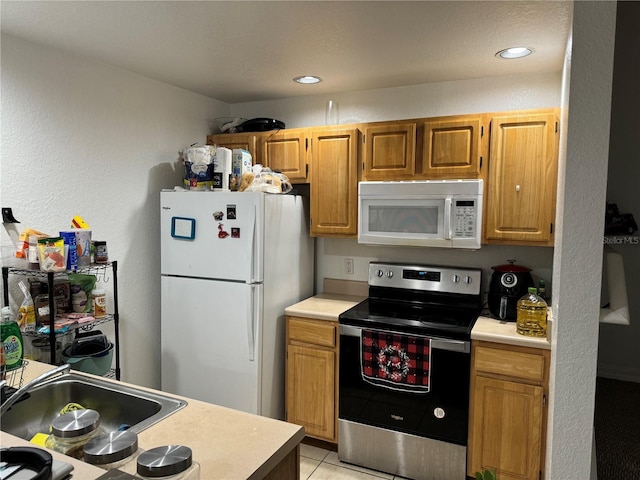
point(447, 218)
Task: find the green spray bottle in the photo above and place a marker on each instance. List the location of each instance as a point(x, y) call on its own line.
point(11, 338)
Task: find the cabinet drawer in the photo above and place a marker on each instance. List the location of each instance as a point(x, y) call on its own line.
point(315, 332)
point(527, 365)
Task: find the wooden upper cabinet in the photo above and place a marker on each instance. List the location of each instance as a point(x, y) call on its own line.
point(516, 153)
point(334, 182)
point(286, 151)
point(389, 151)
point(245, 141)
point(522, 179)
point(451, 147)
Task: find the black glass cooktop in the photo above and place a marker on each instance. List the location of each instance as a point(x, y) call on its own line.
point(447, 321)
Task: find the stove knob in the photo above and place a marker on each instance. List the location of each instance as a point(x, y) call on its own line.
point(389, 274)
point(379, 273)
point(467, 279)
point(455, 278)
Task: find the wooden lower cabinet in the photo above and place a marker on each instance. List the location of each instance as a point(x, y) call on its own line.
point(311, 376)
point(507, 419)
point(288, 468)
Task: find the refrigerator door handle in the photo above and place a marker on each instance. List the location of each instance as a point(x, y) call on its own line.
point(251, 315)
point(254, 253)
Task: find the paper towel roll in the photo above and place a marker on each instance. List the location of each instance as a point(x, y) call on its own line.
point(222, 168)
point(615, 288)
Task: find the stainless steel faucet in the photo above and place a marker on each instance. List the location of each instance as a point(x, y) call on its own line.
point(61, 370)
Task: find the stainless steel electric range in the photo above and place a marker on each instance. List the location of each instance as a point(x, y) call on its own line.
point(404, 371)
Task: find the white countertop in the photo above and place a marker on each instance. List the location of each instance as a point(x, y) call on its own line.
point(324, 306)
point(328, 306)
point(492, 330)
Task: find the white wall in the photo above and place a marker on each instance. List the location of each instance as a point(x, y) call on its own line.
point(578, 253)
point(427, 100)
point(83, 138)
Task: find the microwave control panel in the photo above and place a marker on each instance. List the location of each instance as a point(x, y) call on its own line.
point(464, 219)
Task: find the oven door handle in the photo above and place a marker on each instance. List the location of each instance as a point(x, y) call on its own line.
point(437, 343)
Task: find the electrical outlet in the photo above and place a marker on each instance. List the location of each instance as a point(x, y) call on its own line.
point(348, 266)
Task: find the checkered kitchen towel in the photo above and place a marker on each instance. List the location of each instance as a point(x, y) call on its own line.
point(399, 362)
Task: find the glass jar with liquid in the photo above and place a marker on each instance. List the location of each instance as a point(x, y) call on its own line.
point(531, 319)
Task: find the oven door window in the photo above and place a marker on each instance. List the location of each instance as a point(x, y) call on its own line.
point(442, 413)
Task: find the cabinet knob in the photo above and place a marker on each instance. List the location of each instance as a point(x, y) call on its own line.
point(517, 188)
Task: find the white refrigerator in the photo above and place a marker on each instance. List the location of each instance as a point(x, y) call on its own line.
point(231, 262)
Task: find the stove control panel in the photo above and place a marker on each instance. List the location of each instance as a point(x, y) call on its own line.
point(426, 277)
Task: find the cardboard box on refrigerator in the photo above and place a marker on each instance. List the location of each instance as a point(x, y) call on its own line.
point(241, 163)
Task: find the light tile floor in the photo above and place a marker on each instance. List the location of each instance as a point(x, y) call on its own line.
point(318, 463)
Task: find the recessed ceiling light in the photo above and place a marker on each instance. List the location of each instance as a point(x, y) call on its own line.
point(514, 52)
point(307, 79)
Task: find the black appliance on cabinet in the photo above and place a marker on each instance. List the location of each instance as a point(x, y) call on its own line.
point(260, 125)
point(508, 284)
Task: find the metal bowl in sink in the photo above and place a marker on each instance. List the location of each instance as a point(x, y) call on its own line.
point(120, 406)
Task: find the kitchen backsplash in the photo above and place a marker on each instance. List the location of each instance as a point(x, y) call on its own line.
point(332, 255)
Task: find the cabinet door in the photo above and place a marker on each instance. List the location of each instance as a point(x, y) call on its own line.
point(507, 429)
point(311, 390)
point(286, 152)
point(451, 147)
point(334, 182)
point(389, 151)
point(245, 141)
point(522, 178)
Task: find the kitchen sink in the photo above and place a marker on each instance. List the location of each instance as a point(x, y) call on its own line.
point(120, 406)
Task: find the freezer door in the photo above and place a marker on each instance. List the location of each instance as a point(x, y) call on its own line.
point(212, 234)
point(209, 341)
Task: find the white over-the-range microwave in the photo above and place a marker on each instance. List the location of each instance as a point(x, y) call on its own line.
point(427, 213)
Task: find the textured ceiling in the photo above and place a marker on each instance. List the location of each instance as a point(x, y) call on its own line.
point(242, 51)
